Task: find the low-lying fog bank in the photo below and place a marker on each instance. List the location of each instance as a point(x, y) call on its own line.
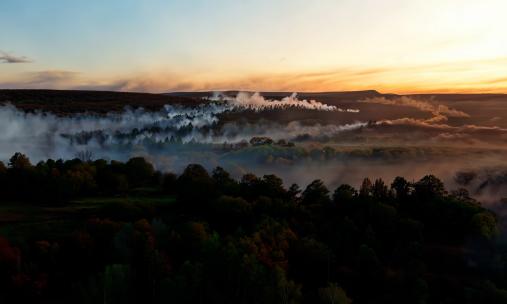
point(299, 140)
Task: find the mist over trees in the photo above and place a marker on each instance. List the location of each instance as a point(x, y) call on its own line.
point(132, 234)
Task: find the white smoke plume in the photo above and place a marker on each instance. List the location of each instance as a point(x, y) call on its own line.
point(234, 132)
point(441, 113)
point(115, 135)
point(256, 102)
point(157, 136)
point(425, 106)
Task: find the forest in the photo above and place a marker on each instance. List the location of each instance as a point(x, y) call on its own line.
point(100, 231)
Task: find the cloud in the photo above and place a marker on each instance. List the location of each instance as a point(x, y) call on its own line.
point(455, 77)
point(52, 79)
point(8, 58)
point(53, 76)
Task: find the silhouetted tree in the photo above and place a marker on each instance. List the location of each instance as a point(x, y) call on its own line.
point(19, 161)
point(379, 190)
point(85, 155)
point(169, 185)
point(231, 212)
point(139, 171)
point(344, 193)
point(195, 185)
point(332, 294)
point(401, 187)
point(225, 184)
point(429, 187)
point(250, 185)
point(366, 188)
point(462, 195)
point(294, 193)
point(272, 186)
point(316, 193)
point(484, 224)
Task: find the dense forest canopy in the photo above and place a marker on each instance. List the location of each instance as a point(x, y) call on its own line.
point(131, 234)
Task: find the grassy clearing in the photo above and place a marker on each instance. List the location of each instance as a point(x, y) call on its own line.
point(21, 221)
point(20, 213)
point(95, 202)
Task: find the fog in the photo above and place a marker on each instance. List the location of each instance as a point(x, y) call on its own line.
point(342, 148)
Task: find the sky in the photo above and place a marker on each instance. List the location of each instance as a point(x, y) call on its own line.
point(397, 46)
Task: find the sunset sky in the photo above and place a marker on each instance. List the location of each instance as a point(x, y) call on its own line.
point(400, 46)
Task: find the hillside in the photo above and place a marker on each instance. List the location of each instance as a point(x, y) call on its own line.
point(66, 101)
point(331, 98)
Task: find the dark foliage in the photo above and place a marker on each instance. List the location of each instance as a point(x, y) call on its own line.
point(248, 241)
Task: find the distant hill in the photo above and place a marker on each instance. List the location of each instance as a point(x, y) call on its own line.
point(331, 98)
point(70, 101)
point(63, 102)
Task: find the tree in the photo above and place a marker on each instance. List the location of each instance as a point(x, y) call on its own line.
point(19, 161)
point(401, 187)
point(294, 193)
point(112, 183)
point(231, 212)
point(369, 264)
point(117, 284)
point(272, 186)
point(463, 195)
point(169, 183)
point(3, 176)
point(344, 193)
point(316, 193)
point(429, 187)
point(379, 189)
point(311, 262)
point(332, 294)
point(85, 155)
point(288, 292)
point(224, 182)
point(139, 171)
point(366, 188)
point(221, 176)
point(250, 185)
point(250, 180)
point(195, 184)
point(3, 168)
point(9, 256)
point(484, 224)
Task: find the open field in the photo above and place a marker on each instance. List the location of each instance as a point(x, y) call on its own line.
point(20, 213)
point(66, 102)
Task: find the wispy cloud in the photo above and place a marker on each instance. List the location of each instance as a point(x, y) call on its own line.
point(9, 58)
point(477, 76)
point(51, 79)
point(51, 76)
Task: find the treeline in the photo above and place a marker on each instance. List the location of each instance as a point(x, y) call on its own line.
point(56, 182)
point(71, 102)
point(251, 240)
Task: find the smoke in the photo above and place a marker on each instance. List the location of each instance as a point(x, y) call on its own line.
point(436, 123)
point(120, 135)
point(433, 124)
point(256, 102)
point(425, 106)
point(441, 113)
point(293, 131)
point(329, 145)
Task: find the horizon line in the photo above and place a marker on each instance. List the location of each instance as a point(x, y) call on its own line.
point(446, 92)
